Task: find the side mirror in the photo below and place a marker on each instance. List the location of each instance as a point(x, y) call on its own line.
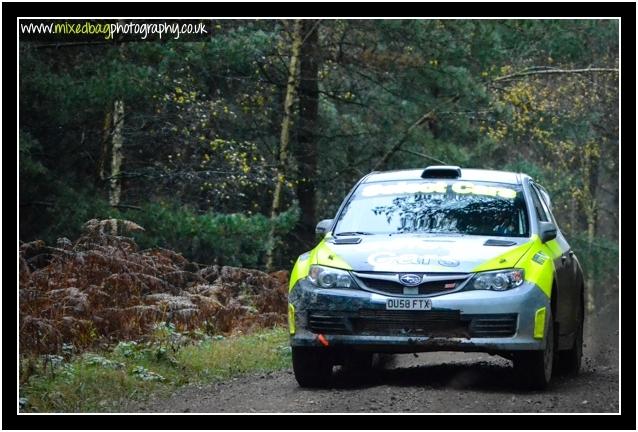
point(323, 226)
point(547, 231)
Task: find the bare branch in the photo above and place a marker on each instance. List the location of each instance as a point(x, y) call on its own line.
point(314, 27)
point(423, 155)
point(396, 147)
point(551, 71)
point(127, 206)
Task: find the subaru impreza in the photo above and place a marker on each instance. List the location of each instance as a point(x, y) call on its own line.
point(438, 259)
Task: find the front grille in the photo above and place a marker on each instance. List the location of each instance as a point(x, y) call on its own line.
point(380, 283)
point(417, 323)
point(391, 287)
point(327, 323)
point(501, 325)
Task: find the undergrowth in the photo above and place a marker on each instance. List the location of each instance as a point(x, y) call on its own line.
point(101, 289)
point(106, 381)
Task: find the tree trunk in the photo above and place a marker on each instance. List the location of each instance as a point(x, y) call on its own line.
point(307, 150)
point(284, 139)
point(590, 283)
point(115, 189)
point(591, 210)
point(105, 147)
point(573, 213)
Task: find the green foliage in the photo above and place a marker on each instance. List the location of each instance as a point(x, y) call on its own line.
point(527, 167)
point(102, 382)
point(597, 258)
point(146, 375)
point(101, 361)
point(72, 208)
point(208, 238)
point(224, 239)
point(29, 167)
point(62, 210)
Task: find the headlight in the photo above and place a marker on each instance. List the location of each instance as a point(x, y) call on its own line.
point(328, 277)
point(500, 280)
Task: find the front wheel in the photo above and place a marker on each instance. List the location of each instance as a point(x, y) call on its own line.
point(534, 368)
point(312, 366)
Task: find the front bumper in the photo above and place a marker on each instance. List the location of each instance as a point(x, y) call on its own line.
point(342, 310)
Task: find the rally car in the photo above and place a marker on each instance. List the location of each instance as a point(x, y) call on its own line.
point(438, 259)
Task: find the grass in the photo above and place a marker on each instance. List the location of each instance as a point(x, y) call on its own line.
point(103, 382)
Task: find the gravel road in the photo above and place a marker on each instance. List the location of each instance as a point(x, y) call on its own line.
point(431, 382)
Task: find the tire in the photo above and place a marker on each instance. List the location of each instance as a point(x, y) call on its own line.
point(312, 366)
point(535, 368)
point(569, 361)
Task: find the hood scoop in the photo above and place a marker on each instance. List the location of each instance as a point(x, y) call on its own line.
point(495, 242)
point(347, 240)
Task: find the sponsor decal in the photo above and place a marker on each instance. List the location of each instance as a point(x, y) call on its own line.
point(460, 188)
point(382, 258)
point(404, 188)
point(475, 189)
point(385, 258)
point(539, 258)
point(304, 256)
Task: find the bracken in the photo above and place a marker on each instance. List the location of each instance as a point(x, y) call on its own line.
point(102, 289)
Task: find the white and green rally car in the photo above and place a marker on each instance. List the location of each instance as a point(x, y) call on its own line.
point(440, 259)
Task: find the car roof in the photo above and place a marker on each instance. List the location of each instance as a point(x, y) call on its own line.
point(468, 174)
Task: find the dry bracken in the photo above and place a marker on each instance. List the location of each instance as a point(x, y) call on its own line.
point(103, 289)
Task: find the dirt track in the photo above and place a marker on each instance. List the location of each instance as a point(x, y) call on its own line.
point(433, 382)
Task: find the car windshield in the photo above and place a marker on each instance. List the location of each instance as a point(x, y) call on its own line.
point(436, 206)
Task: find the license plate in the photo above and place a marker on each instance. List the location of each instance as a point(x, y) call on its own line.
point(408, 304)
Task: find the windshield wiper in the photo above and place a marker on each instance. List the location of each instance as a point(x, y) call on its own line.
point(353, 233)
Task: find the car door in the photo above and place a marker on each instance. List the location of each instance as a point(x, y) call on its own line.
point(565, 271)
point(573, 270)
